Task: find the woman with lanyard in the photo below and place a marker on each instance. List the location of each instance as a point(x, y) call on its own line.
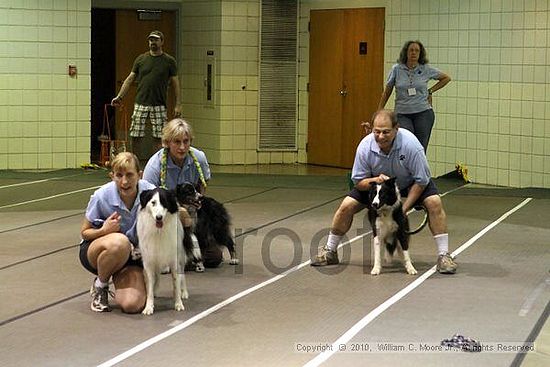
point(178, 163)
point(413, 98)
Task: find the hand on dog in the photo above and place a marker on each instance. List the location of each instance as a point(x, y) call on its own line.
point(112, 224)
point(382, 178)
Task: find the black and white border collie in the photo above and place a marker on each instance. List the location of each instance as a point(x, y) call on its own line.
point(212, 226)
point(389, 225)
point(160, 235)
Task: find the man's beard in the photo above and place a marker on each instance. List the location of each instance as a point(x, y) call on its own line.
point(153, 47)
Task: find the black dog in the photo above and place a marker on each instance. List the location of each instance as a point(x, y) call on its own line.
point(389, 224)
point(212, 225)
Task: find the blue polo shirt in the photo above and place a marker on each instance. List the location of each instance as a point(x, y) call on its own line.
point(176, 175)
point(106, 200)
point(402, 79)
point(406, 160)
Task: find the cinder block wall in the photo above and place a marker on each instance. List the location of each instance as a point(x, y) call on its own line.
point(44, 113)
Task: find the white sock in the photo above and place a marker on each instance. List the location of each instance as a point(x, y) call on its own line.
point(442, 242)
point(100, 284)
point(333, 241)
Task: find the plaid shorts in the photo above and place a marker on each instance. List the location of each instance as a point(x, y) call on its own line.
point(157, 115)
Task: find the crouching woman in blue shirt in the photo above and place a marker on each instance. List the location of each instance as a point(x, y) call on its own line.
point(108, 232)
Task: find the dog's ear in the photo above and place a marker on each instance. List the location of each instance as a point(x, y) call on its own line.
point(391, 181)
point(145, 196)
point(171, 201)
point(190, 188)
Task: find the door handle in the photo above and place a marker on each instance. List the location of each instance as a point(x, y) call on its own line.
point(343, 92)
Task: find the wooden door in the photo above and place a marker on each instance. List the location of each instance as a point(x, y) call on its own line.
point(326, 74)
point(131, 41)
point(345, 81)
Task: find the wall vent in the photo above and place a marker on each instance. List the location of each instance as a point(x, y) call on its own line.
point(278, 76)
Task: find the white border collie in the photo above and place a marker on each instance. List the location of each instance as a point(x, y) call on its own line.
point(389, 225)
point(160, 234)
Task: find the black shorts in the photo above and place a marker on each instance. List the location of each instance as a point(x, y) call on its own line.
point(429, 190)
point(85, 263)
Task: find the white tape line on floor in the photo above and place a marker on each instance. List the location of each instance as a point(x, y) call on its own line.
point(49, 197)
point(40, 181)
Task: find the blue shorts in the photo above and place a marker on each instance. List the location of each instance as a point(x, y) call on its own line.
point(86, 263)
point(429, 190)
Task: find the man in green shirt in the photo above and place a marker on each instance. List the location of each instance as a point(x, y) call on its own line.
point(153, 70)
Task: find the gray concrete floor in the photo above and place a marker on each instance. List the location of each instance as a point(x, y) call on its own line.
point(263, 311)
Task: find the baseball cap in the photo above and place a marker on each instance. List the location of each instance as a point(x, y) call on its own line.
point(156, 34)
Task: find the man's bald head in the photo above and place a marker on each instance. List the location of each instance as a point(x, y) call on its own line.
point(385, 114)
